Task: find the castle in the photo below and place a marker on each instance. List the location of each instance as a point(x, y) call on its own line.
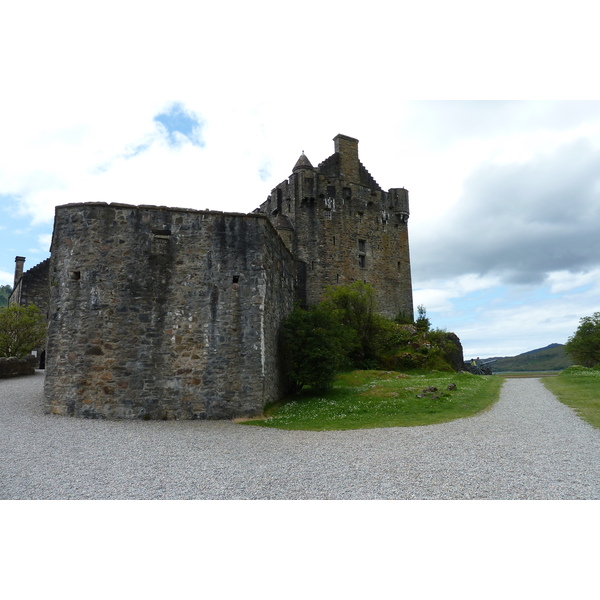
point(168, 313)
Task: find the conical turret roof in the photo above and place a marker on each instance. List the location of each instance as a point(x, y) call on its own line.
point(302, 163)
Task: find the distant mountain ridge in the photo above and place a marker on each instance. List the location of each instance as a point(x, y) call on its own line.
point(550, 358)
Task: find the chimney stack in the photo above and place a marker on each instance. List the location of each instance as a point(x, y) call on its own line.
point(19, 261)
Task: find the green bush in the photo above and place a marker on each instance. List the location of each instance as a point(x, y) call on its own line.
point(584, 344)
point(22, 329)
point(312, 348)
point(345, 331)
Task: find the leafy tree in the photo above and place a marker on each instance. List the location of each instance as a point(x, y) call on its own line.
point(354, 306)
point(584, 344)
point(422, 321)
point(312, 347)
point(22, 328)
point(5, 291)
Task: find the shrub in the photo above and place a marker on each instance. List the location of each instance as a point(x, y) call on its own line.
point(312, 348)
point(22, 329)
point(584, 344)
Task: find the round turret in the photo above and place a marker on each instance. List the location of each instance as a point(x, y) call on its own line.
point(302, 163)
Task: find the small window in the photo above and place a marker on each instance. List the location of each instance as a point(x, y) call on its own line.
point(75, 275)
point(236, 279)
point(362, 254)
point(161, 241)
point(331, 191)
point(360, 217)
point(333, 240)
point(327, 214)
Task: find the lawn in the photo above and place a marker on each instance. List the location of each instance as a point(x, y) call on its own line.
point(579, 388)
point(368, 399)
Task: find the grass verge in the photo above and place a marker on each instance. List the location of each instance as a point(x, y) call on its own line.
point(369, 399)
point(579, 388)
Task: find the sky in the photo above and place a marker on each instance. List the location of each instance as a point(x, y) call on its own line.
point(209, 105)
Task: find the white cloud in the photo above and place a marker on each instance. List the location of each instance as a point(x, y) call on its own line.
point(565, 281)
point(7, 278)
point(437, 295)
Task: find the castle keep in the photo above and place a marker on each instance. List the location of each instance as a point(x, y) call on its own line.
point(167, 313)
point(342, 227)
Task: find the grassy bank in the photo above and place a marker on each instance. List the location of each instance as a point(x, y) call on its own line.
point(368, 399)
point(579, 388)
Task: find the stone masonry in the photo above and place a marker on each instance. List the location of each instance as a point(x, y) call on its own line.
point(166, 313)
point(342, 227)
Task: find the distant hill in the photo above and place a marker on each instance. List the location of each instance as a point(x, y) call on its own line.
point(550, 358)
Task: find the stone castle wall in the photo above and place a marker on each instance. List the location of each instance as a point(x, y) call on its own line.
point(343, 227)
point(16, 367)
point(32, 287)
point(164, 313)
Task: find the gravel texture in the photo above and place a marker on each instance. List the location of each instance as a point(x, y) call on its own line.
point(528, 446)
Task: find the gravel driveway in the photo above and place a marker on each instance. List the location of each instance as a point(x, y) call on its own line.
point(528, 446)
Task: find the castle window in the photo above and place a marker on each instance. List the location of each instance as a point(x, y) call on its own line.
point(160, 241)
point(75, 275)
point(331, 191)
point(346, 193)
point(362, 254)
point(360, 217)
point(333, 240)
point(327, 214)
point(309, 182)
point(236, 279)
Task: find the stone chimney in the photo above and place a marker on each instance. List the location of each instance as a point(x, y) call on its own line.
point(347, 148)
point(19, 261)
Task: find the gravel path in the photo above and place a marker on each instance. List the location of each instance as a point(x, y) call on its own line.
point(528, 446)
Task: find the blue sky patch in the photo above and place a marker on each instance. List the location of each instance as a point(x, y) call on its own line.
point(180, 124)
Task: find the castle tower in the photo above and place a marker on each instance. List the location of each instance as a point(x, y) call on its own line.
point(342, 227)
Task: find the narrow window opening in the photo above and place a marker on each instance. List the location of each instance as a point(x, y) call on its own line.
point(362, 253)
point(236, 279)
point(360, 217)
point(75, 275)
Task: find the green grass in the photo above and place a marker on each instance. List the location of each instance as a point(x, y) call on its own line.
point(579, 388)
point(368, 399)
